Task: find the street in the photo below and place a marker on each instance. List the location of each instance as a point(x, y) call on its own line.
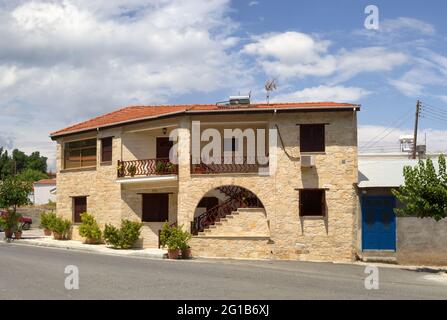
point(38, 273)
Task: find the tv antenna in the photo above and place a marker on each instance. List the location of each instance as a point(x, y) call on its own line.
point(270, 86)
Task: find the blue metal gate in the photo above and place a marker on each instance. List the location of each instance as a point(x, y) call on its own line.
point(378, 223)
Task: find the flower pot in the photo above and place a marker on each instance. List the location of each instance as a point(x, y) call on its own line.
point(9, 234)
point(186, 253)
point(18, 235)
point(57, 236)
point(91, 241)
point(173, 253)
point(47, 232)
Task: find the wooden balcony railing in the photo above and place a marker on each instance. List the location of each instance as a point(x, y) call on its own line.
point(228, 165)
point(148, 167)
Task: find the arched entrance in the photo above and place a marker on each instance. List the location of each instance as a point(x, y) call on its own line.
point(220, 203)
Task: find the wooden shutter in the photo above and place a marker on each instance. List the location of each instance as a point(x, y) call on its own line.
point(155, 207)
point(106, 149)
point(312, 138)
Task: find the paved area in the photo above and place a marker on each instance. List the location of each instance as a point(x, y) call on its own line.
point(38, 273)
point(36, 237)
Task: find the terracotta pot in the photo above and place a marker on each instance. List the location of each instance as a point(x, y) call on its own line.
point(186, 253)
point(173, 253)
point(57, 236)
point(9, 234)
point(18, 235)
point(91, 241)
point(47, 232)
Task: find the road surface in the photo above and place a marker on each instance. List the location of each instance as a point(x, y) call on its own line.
point(38, 273)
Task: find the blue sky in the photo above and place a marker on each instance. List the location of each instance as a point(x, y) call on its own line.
point(65, 61)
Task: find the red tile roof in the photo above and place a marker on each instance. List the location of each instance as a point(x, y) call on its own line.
point(135, 113)
point(46, 181)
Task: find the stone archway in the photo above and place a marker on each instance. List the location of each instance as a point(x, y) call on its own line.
point(234, 202)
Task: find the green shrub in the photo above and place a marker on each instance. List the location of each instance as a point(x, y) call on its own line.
point(61, 227)
point(46, 220)
point(174, 237)
point(89, 228)
point(124, 237)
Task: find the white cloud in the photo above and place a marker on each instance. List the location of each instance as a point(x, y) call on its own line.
point(407, 24)
point(324, 93)
point(298, 55)
point(64, 61)
point(253, 3)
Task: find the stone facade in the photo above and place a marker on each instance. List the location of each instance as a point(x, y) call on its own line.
point(328, 238)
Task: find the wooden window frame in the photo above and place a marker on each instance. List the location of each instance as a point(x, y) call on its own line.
point(67, 150)
point(303, 212)
point(109, 152)
point(318, 144)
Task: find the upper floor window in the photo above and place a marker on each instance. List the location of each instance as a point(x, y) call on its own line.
point(79, 154)
point(312, 138)
point(106, 149)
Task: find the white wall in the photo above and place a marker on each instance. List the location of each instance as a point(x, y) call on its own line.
point(42, 194)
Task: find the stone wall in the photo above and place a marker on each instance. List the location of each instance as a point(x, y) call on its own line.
point(421, 241)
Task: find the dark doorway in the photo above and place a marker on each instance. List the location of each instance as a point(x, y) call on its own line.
point(163, 147)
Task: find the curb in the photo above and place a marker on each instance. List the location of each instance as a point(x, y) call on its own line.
point(118, 253)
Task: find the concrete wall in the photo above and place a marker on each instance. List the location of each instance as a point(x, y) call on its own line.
point(421, 241)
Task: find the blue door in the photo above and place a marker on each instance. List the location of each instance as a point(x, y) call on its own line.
point(378, 223)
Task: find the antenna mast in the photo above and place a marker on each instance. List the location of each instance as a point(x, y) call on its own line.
point(270, 86)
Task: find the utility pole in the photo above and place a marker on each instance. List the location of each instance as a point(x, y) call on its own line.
point(416, 125)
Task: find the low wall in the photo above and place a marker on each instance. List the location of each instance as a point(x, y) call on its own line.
point(421, 241)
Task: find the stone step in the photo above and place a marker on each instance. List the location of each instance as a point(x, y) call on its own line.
point(379, 256)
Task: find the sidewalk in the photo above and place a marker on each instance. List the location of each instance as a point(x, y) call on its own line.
point(35, 237)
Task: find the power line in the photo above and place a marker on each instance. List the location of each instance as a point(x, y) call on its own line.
point(390, 131)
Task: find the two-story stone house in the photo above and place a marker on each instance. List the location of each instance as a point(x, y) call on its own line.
point(301, 206)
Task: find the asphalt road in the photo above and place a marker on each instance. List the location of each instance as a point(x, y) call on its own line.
point(38, 273)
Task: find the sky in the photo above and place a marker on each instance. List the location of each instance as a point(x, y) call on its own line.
point(65, 61)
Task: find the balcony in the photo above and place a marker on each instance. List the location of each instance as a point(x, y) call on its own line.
point(229, 165)
point(145, 168)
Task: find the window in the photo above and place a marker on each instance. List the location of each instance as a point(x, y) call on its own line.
point(312, 203)
point(155, 207)
point(312, 138)
point(106, 149)
point(80, 154)
point(79, 206)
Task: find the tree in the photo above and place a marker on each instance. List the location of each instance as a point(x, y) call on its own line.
point(18, 162)
point(14, 193)
point(31, 175)
point(425, 191)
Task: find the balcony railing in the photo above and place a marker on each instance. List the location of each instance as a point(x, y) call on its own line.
point(228, 165)
point(147, 167)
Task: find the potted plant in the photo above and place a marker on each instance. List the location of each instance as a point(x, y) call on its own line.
point(46, 219)
point(9, 222)
point(89, 229)
point(170, 167)
point(120, 169)
point(160, 167)
point(61, 228)
point(18, 232)
point(184, 247)
point(132, 170)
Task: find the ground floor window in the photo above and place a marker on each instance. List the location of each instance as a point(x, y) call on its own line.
point(155, 207)
point(79, 207)
point(312, 202)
